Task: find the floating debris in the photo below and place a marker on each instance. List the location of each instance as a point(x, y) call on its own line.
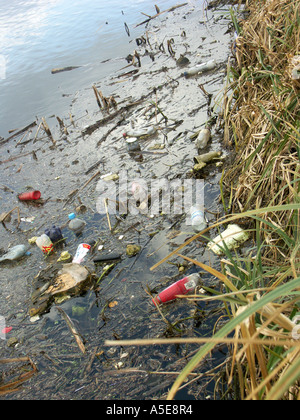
point(62, 69)
point(231, 238)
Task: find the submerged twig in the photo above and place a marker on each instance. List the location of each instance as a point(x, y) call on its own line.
point(72, 329)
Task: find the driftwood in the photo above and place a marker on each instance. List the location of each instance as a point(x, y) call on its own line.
point(15, 157)
point(73, 330)
point(91, 128)
point(60, 70)
point(48, 131)
point(160, 13)
point(74, 193)
point(17, 133)
point(14, 385)
point(6, 217)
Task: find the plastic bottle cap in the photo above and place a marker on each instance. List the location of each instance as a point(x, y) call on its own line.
point(72, 216)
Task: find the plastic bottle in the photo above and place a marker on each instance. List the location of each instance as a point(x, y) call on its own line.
point(75, 224)
point(231, 238)
point(82, 251)
point(203, 138)
point(54, 234)
point(15, 253)
point(133, 144)
point(140, 132)
point(181, 287)
point(198, 218)
point(45, 244)
point(200, 68)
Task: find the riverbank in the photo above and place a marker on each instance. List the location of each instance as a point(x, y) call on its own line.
point(249, 298)
point(66, 164)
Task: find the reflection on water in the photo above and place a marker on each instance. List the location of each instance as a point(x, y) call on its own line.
point(38, 35)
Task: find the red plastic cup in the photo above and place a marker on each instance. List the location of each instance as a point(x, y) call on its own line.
point(31, 195)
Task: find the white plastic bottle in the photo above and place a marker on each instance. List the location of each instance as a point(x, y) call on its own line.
point(203, 138)
point(44, 243)
point(81, 253)
point(75, 224)
point(198, 219)
point(210, 65)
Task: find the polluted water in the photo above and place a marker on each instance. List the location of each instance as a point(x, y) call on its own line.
point(75, 153)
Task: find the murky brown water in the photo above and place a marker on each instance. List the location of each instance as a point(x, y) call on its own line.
point(63, 372)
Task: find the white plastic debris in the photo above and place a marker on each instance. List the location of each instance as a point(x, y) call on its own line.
point(232, 237)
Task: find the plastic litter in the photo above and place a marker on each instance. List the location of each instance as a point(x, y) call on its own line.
point(76, 225)
point(15, 253)
point(6, 330)
point(232, 237)
point(133, 144)
point(82, 252)
point(198, 219)
point(110, 177)
point(54, 234)
point(181, 287)
point(31, 195)
point(65, 256)
point(140, 132)
point(105, 258)
point(210, 65)
point(202, 160)
point(207, 157)
point(45, 244)
point(203, 138)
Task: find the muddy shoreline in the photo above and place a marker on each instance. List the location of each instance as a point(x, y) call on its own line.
point(66, 169)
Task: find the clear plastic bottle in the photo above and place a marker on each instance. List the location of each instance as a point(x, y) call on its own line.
point(15, 253)
point(210, 65)
point(45, 244)
point(75, 224)
point(198, 218)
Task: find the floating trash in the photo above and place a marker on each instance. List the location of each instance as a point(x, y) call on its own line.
point(232, 238)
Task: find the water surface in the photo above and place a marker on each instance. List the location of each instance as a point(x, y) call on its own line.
point(39, 35)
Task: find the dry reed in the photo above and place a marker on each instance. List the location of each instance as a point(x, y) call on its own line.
point(261, 113)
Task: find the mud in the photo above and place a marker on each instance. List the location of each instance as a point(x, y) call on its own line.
point(66, 169)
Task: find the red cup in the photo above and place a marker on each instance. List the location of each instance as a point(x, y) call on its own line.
point(31, 195)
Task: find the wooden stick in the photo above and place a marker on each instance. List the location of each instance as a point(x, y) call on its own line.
point(15, 157)
point(18, 133)
point(158, 14)
point(97, 96)
point(72, 329)
point(37, 132)
point(48, 131)
point(107, 215)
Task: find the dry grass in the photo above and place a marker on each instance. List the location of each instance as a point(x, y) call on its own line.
point(262, 111)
